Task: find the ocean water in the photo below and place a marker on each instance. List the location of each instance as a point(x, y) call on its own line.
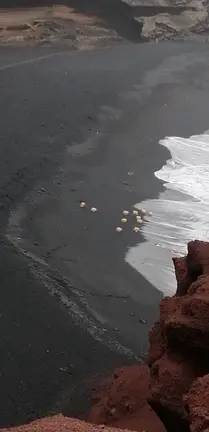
point(180, 213)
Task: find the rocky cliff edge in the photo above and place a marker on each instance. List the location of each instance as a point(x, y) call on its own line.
point(179, 347)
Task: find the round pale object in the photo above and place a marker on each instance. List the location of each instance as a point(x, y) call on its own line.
point(118, 229)
point(135, 212)
point(93, 209)
point(149, 213)
point(139, 219)
point(82, 204)
point(136, 229)
point(125, 212)
point(143, 211)
point(123, 220)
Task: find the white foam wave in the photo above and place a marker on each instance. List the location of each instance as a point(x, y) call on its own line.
point(180, 214)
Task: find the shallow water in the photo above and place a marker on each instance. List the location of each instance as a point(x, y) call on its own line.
point(180, 214)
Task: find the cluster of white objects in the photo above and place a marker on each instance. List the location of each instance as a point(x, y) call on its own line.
point(138, 213)
point(83, 205)
point(139, 218)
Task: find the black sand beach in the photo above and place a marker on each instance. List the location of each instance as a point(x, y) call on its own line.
point(73, 125)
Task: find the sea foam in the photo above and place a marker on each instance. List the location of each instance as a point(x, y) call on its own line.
point(180, 213)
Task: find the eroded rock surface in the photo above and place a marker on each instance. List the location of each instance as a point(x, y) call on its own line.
point(179, 344)
point(121, 401)
point(60, 423)
point(184, 25)
point(175, 19)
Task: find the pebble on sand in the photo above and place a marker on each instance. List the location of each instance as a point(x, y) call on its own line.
point(93, 209)
point(82, 204)
point(143, 211)
point(136, 229)
point(139, 219)
point(135, 212)
point(123, 220)
point(118, 229)
point(125, 212)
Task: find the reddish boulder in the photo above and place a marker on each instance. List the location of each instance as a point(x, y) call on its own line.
point(183, 280)
point(121, 401)
point(157, 342)
point(197, 403)
point(171, 378)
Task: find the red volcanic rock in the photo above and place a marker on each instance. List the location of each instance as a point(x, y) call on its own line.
point(197, 403)
point(179, 341)
point(121, 401)
point(59, 423)
point(198, 258)
point(157, 342)
point(171, 378)
point(183, 280)
point(188, 324)
point(189, 268)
